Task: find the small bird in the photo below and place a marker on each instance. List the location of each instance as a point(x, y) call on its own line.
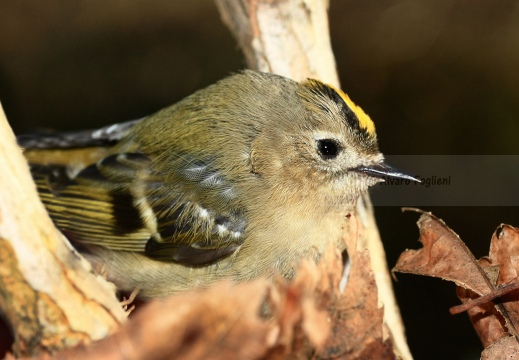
point(244, 178)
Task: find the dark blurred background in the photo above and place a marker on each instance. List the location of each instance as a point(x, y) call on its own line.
point(437, 77)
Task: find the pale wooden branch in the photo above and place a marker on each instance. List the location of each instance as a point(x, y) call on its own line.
point(48, 293)
point(286, 37)
point(291, 38)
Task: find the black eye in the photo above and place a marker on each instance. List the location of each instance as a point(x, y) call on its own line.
point(328, 148)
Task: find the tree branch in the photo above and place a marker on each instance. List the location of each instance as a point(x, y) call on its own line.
point(47, 291)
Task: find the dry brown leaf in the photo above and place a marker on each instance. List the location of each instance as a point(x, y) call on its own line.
point(222, 322)
point(443, 255)
point(486, 320)
point(504, 251)
point(480, 282)
point(356, 315)
point(219, 323)
point(505, 348)
point(492, 322)
point(488, 323)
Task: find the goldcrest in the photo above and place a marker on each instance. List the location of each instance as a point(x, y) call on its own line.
point(244, 178)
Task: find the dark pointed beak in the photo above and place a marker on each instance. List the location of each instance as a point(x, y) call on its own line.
point(382, 171)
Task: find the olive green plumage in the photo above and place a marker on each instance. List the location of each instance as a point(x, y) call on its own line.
point(241, 179)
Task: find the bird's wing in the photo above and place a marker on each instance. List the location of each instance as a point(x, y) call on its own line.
point(107, 135)
point(122, 204)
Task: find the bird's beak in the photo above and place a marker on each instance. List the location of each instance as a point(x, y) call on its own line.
point(382, 171)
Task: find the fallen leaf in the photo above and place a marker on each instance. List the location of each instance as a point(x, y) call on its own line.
point(443, 255)
point(488, 288)
point(505, 348)
point(356, 316)
point(504, 251)
point(488, 323)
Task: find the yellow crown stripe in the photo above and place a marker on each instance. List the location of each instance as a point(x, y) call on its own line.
point(365, 121)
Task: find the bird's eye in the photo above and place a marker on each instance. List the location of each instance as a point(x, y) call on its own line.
point(328, 148)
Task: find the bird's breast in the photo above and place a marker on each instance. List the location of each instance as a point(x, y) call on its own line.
point(283, 239)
